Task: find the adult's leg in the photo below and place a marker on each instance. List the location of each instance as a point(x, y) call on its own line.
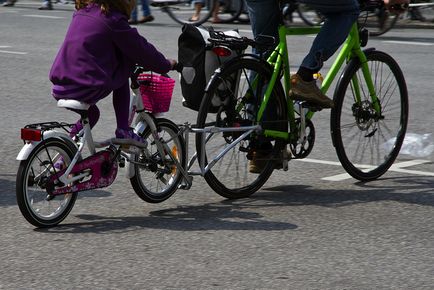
point(133, 17)
point(340, 16)
point(145, 8)
point(264, 17)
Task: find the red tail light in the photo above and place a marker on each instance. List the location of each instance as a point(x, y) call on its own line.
point(31, 134)
point(221, 51)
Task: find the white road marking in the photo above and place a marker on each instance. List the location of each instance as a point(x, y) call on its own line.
point(408, 42)
point(43, 16)
point(397, 167)
point(12, 52)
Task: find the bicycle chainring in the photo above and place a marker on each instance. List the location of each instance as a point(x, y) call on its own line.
point(302, 148)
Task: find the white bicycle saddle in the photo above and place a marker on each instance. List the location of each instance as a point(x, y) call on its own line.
point(73, 104)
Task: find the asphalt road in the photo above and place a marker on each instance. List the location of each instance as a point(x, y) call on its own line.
point(305, 229)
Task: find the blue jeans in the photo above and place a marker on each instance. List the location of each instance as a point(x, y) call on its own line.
point(145, 9)
point(340, 16)
point(264, 17)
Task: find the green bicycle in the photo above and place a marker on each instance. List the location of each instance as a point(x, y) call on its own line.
point(371, 107)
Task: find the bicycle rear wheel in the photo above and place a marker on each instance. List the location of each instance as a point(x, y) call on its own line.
point(157, 177)
point(33, 186)
point(182, 11)
point(231, 101)
point(367, 142)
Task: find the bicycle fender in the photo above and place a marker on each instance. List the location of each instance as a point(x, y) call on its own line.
point(29, 147)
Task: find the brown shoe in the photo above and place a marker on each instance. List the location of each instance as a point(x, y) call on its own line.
point(309, 92)
point(145, 19)
point(259, 160)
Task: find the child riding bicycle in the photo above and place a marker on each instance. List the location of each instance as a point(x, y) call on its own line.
point(97, 58)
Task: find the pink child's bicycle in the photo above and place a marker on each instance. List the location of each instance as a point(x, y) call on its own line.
point(47, 192)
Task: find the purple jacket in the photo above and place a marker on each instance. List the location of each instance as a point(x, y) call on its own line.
point(98, 55)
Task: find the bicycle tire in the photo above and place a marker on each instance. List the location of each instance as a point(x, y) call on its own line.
point(32, 177)
point(230, 10)
point(230, 176)
point(378, 21)
point(309, 15)
point(424, 13)
point(155, 181)
point(182, 11)
point(362, 137)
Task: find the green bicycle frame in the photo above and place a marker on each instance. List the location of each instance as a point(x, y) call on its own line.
point(279, 60)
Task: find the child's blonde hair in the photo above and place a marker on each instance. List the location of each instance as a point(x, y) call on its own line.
point(123, 6)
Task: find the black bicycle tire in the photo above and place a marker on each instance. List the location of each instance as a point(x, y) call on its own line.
point(234, 14)
point(305, 19)
point(200, 21)
point(426, 12)
point(386, 28)
point(136, 182)
point(21, 192)
point(278, 95)
point(336, 113)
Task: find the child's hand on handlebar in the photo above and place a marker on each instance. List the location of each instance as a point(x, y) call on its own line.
point(175, 65)
point(172, 63)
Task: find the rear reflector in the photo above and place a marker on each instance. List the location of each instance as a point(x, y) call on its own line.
point(221, 51)
point(31, 134)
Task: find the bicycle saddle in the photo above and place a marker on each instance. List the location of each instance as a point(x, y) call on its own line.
point(73, 105)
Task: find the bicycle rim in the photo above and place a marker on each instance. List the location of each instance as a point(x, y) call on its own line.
point(183, 11)
point(32, 181)
point(157, 178)
point(229, 93)
point(367, 143)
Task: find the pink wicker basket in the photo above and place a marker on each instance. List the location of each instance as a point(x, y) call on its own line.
point(156, 92)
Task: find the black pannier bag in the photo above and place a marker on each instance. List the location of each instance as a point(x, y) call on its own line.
point(198, 61)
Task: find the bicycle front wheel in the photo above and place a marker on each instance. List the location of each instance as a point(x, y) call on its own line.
point(231, 101)
point(157, 177)
point(368, 140)
point(184, 11)
point(32, 184)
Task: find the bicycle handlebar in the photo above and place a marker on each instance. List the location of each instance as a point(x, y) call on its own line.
point(138, 70)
